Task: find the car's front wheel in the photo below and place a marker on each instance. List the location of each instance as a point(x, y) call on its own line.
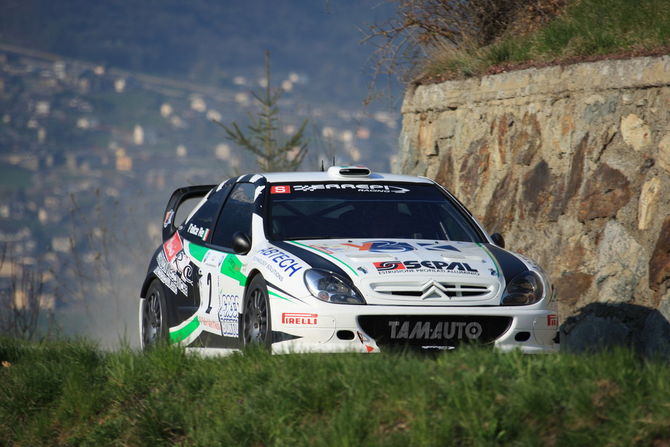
point(153, 321)
point(257, 327)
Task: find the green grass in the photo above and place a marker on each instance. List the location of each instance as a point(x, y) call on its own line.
point(586, 28)
point(70, 393)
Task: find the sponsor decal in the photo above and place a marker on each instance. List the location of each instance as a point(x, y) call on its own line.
point(383, 247)
point(270, 267)
point(360, 187)
point(280, 189)
point(386, 266)
point(447, 330)
point(300, 319)
point(437, 247)
point(168, 218)
point(211, 324)
point(172, 246)
point(174, 267)
point(213, 258)
point(229, 315)
point(552, 320)
point(283, 260)
point(182, 265)
point(425, 266)
point(328, 249)
point(167, 274)
point(309, 257)
point(197, 231)
point(232, 267)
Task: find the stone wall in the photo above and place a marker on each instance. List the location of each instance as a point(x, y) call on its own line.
point(571, 164)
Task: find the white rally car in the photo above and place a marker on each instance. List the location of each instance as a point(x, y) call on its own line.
point(343, 260)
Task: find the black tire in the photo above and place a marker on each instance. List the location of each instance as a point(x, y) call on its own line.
point(256, 323)
point(154, 323)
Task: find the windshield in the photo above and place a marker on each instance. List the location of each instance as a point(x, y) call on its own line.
point(364, 210)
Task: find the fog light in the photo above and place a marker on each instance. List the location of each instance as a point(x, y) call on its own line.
point(522, 336)
point(345, 335)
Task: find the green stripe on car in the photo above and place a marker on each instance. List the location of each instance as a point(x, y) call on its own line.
point(197, 251)
point(232, 267)
point(270, 292)
point(184, 332)
point(493, 258)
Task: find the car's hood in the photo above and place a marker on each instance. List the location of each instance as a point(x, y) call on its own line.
point(411, 272)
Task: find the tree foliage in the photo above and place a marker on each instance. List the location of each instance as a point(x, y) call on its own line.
point(261, 138)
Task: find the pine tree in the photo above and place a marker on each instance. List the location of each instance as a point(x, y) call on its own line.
point(261, 138)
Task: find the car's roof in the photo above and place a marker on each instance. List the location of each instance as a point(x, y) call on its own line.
point(333, 174)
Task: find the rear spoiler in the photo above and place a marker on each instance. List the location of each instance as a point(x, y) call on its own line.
point(176, 199)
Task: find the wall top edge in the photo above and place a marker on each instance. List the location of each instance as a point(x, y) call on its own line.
point(559, 79)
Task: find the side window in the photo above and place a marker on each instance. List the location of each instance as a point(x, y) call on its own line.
point(202, 221)
point(235, 215)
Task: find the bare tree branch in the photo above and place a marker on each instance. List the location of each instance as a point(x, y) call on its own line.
point(421, 26)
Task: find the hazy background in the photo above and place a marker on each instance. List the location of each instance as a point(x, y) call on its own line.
point(106, 107)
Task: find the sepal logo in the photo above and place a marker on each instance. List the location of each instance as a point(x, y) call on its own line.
point(385, 266)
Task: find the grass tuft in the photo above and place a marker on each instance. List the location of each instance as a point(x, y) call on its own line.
point(73, 394)
point(586, 29)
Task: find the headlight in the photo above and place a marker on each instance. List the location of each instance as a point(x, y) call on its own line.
point(526, 288)
point(331, 288)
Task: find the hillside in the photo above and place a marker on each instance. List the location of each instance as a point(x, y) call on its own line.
point(208, 42)
point(106, 107)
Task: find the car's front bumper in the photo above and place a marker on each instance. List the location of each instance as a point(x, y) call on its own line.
point(336, 328)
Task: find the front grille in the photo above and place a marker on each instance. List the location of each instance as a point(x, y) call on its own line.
point(424, 290)
point(433, 330)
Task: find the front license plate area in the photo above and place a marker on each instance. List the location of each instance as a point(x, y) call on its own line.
point(433, 330)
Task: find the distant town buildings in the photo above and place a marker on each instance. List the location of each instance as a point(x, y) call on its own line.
point(82, 142)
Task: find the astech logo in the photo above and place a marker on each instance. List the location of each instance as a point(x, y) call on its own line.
point(283, 260)
point(425, 266)
point(301, 319)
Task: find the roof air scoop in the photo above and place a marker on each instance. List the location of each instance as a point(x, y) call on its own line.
point(349, 171)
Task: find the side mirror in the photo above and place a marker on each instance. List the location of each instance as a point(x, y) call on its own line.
point(498, 239)
point(241, 243)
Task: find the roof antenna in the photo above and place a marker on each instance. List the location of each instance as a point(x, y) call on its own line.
point(322, 169)
point(333, 161)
